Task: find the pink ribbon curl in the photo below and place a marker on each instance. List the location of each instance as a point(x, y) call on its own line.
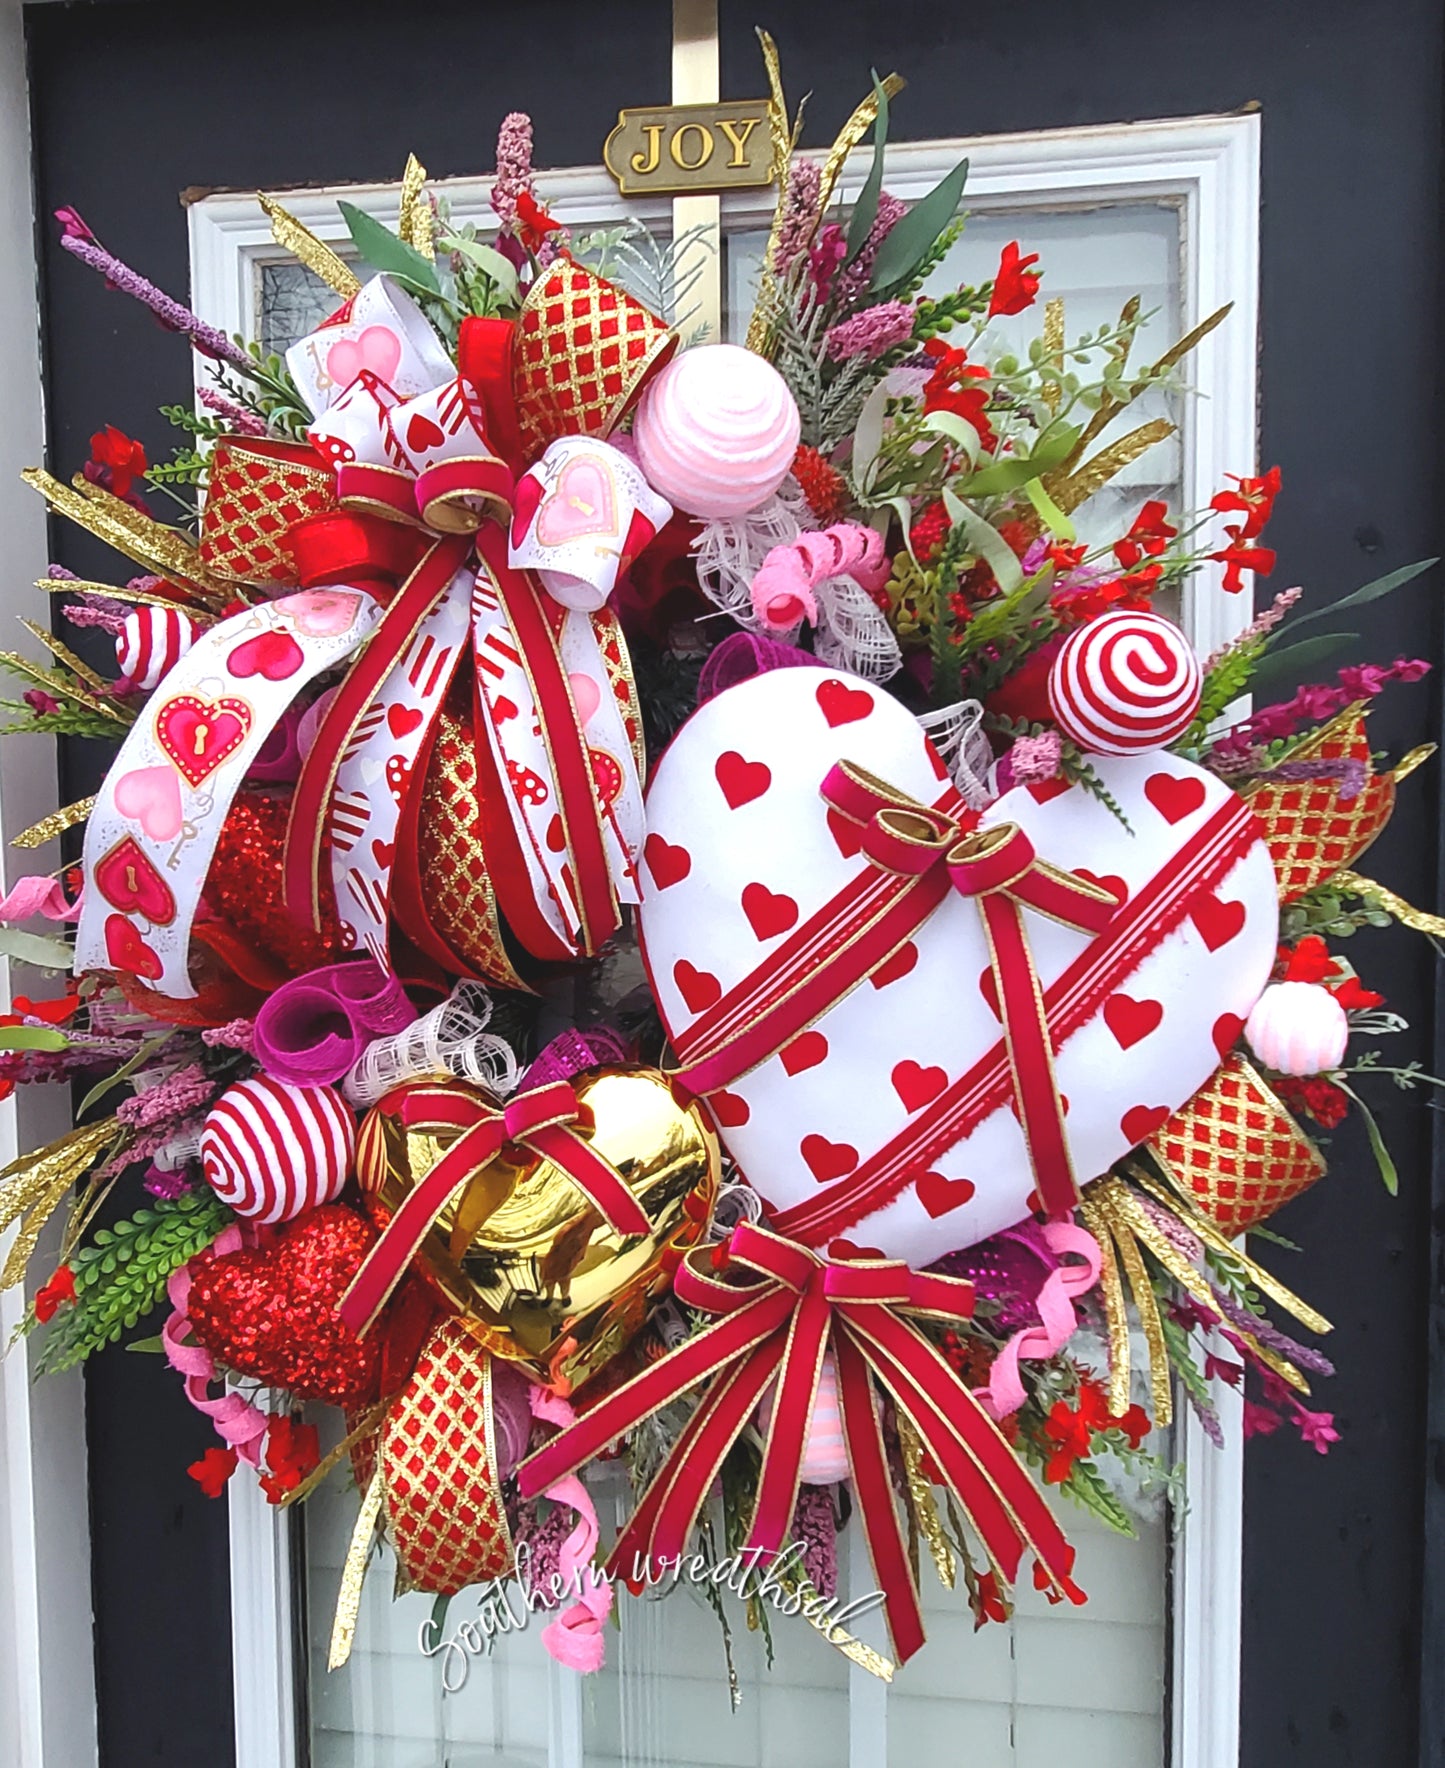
point(783, 586)
point(1057, 1320)
point(239, 1424)
point(33, 896)
point(576, 1639)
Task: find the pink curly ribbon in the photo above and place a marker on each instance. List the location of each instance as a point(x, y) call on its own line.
point(239, 1424)
point(783, 586)
point(576, 1639)
point(1005, 1391)
point(313, 1029)
point(37, 896)
point(572, 1053)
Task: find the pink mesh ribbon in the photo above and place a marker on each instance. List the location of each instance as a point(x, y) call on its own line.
point(576, 1639)
point(1057, 1320)
point(574, 1052)
point(239, 1424)
point(743, 656)
point(783, 587)
point(315, 1028)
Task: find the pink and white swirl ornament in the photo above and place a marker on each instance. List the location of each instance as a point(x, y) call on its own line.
point(1298, 1028)
point(782, 591)
point(1125, 684)
point(716, 431)
point(151, 642)
point(273, 1151)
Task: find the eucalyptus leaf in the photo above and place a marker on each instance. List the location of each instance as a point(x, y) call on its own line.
point(1049, 513)
point(865, 210)
point(1369, 592)
point(1383, 1158)
point(151, 1047)
point(986, 542)
point(385, 252)
point(491, 263)
point(1016, 470)
point(910, 239)
point(32, 1037)
point(1278, 665)
point(868, 433)
point(957, 429)
point(35, 948)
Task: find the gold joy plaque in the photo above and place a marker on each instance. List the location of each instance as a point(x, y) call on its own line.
point(690, 148)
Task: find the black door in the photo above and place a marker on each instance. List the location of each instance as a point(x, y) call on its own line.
point(136, 102)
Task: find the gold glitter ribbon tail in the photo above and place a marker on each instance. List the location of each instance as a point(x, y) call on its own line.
point(353, 1574)
point(1405, 913)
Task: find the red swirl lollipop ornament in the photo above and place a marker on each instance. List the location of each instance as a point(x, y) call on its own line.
point(1125, 684)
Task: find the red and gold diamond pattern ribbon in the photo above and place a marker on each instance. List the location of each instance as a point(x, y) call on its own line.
point(439, 1463)
point(1235, 1151)
point(257, 492)
point(584, 350)
point(1311, 832)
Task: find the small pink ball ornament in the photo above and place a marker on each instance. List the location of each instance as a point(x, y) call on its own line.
point(1298, 1028)
point(716, 431)
point(273, 1151)
point(1124, 684)
point(825, 1452)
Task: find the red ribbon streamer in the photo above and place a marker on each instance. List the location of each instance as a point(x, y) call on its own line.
point(772, 1330)
point(545, 1121)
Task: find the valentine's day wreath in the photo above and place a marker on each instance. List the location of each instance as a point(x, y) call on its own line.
point(687, 904)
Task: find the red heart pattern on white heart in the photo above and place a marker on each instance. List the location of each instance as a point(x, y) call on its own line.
point(738, 792)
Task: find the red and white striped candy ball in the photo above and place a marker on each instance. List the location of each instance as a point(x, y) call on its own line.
point(273, 1151)
point(1125, 684)
point(151, 643)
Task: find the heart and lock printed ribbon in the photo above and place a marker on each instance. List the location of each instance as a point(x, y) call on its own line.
point(158, 815)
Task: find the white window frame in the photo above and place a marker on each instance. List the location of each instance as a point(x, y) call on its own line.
point(1209, 167)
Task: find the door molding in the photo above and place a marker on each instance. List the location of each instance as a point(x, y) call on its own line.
point(1209, 166)
point(47, 1670)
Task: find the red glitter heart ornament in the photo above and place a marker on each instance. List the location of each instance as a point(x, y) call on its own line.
point(270, 1312)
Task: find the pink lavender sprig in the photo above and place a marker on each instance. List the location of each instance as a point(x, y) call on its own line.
point(514, 167)
point(1031, 761)
point(800, 214)
point(242, 422)
point(169, 1100)
point(1258, 628)
point(853, 283)
point(80, 242)
point(1317, 702)
point(871, 332)
point(816, 1530)
point(235, 1034)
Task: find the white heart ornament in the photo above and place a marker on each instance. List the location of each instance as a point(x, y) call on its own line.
point(889, 1121)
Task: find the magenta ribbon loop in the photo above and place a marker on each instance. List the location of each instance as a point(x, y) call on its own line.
point(314, 1029)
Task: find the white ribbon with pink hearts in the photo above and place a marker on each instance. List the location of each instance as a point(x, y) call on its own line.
point(581, 515)
point(377, 766)
point(380, 330)
point(158, 816)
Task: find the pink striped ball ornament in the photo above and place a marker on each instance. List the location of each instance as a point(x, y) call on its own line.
point(1125, 684)
point(1298, 1028)
point(273, 1151)
point(825, 1451)
point(716, 431)
point(151, 642)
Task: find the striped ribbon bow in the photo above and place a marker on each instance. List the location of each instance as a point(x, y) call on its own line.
point(774, 1322)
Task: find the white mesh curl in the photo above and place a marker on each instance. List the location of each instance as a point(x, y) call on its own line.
point(451, 1039)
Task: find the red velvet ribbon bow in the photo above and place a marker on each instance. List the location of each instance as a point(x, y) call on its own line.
point(772, 1330)
point(1000, 869)
point(546, 1121)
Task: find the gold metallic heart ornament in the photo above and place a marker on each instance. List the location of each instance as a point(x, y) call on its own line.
point(527, 1260)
